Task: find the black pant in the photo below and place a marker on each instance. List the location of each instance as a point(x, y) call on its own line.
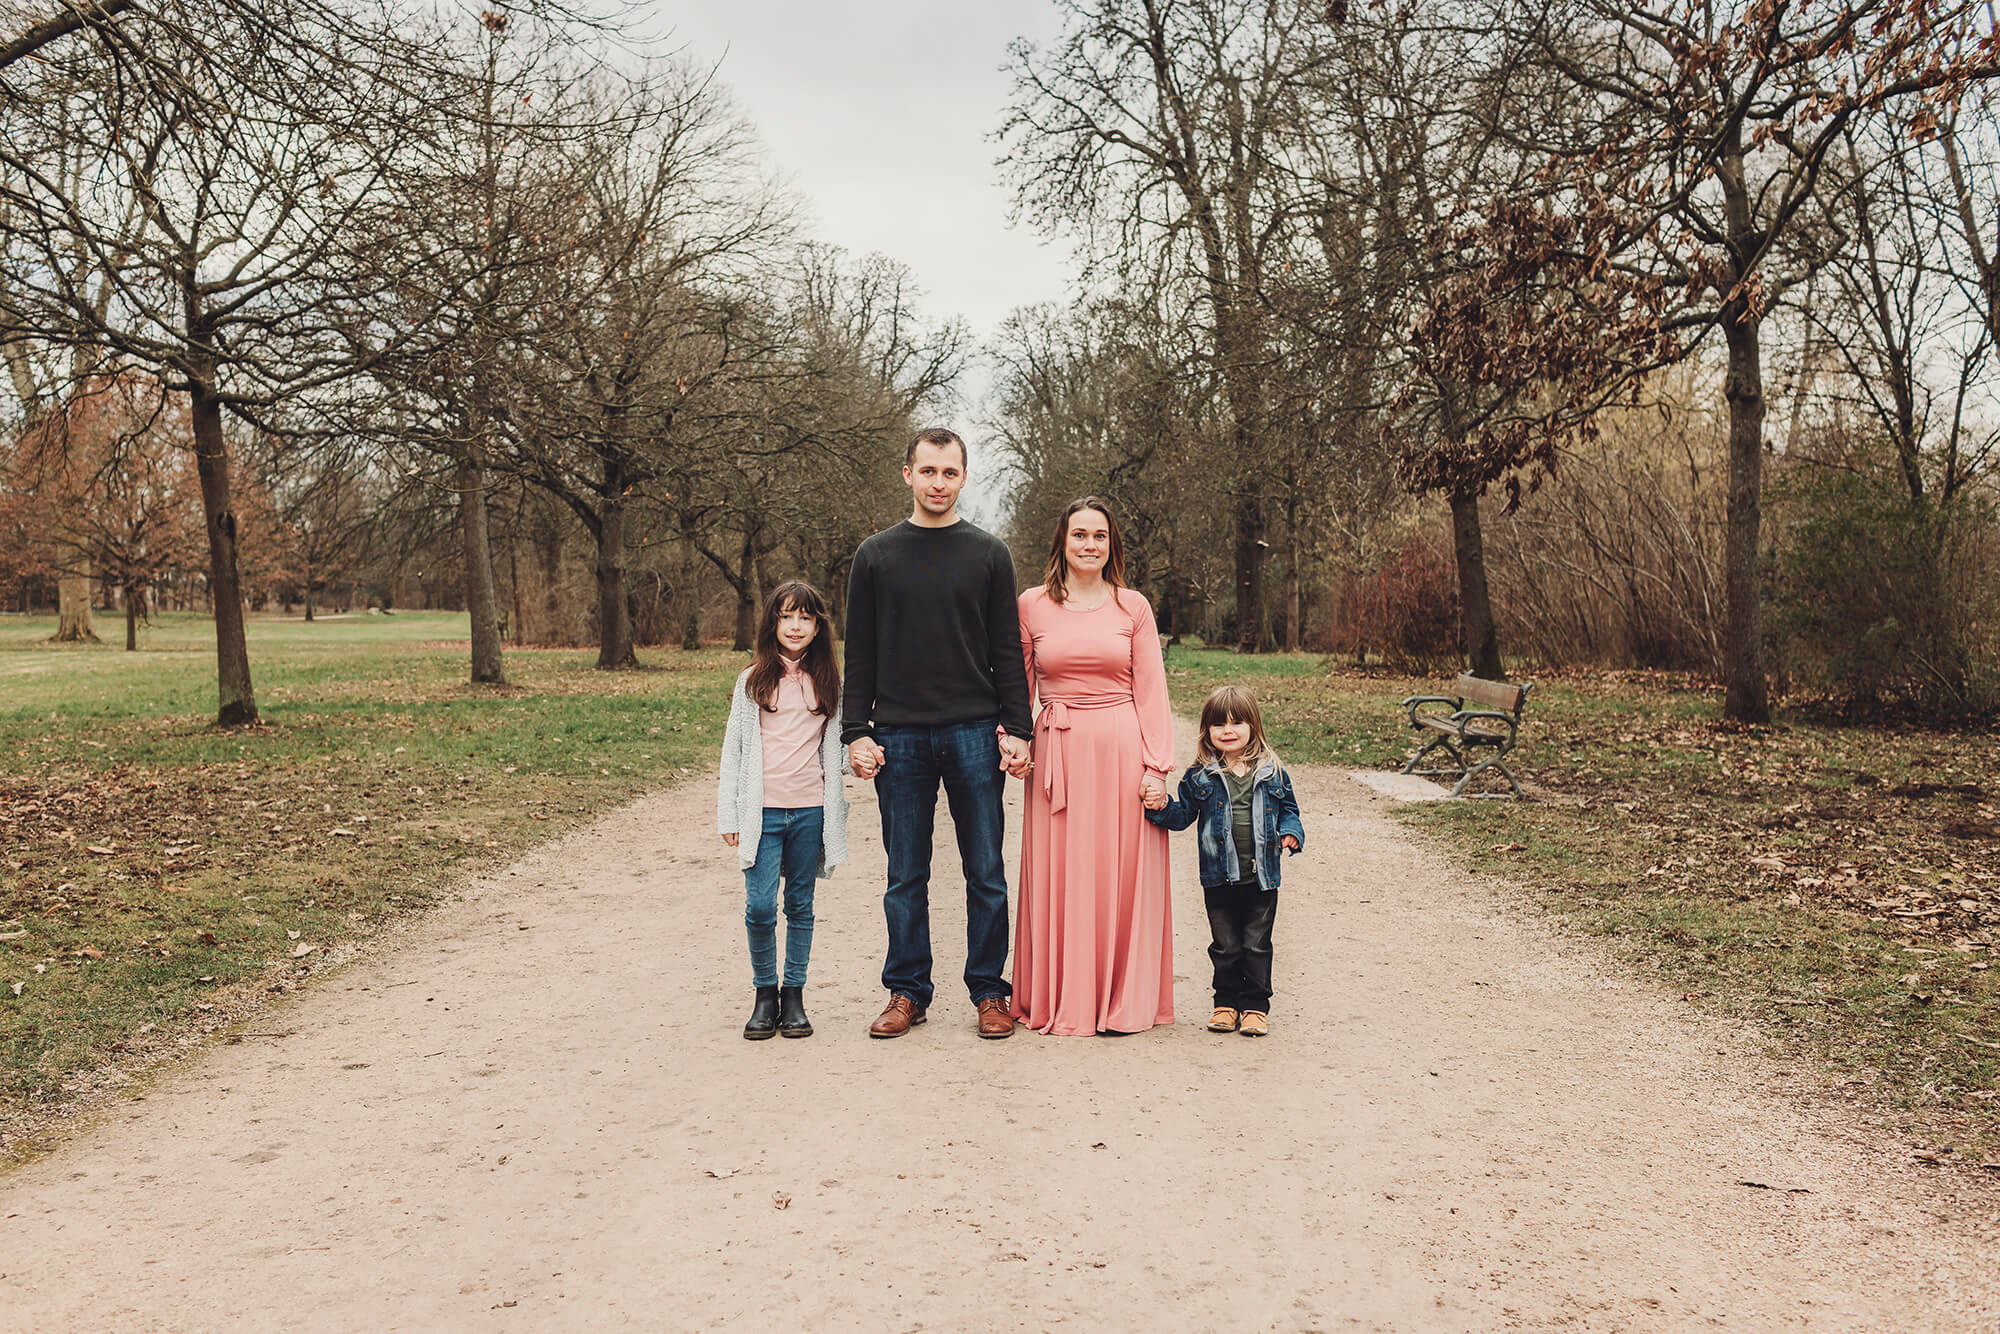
point(1239, 920)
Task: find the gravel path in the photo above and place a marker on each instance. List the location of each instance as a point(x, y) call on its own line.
point(534, 1113)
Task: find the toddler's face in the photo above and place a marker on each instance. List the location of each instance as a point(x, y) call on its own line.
point(1229, 737)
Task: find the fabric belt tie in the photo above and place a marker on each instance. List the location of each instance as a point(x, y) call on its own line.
point(1052, 741)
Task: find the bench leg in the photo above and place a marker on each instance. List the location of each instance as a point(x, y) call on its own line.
point(1497, 762)
point(1410, 766)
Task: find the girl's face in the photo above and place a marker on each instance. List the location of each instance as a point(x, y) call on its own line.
point(1087, 543)
point(1229, 737)
point(796, 628)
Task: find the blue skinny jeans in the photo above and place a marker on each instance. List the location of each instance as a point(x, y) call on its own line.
point(789, 845)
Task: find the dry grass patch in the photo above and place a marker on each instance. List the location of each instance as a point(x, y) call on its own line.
point(155, 865)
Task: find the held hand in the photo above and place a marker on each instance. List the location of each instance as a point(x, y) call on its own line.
point(865, 757)
point(729, 840)
point(1291, 843)
point(1153, 793)
point(1016, 756)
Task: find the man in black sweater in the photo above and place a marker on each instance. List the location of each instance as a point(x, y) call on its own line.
point(936, 692)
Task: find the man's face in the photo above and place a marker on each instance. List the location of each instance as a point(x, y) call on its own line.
point(936, 474)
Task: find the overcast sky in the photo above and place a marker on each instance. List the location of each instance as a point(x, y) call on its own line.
point(880, 115)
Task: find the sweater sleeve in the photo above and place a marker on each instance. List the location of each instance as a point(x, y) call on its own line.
point(1149, 691)
point(1004, 652)
point(857, 699)
point(726, 819)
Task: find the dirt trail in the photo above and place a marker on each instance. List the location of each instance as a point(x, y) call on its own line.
point(535, 1113)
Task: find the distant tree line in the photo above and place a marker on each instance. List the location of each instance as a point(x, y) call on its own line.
point(1652, 335)
point(310, 301)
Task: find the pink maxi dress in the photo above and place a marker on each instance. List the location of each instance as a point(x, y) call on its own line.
point(1093, 940)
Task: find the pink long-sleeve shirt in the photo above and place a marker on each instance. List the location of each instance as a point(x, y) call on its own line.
point(790, 735)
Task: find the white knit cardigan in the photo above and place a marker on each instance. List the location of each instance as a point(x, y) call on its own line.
point(739, 802)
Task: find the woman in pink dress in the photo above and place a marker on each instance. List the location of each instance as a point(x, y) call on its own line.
point(1093, 941)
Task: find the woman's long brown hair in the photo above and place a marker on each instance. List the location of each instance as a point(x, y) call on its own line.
point(767, 665)
point(1055, 576)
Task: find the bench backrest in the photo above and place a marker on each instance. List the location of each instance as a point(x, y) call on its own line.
point(1492, 694)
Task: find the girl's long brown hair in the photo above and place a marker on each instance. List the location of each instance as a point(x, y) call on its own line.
point(1233, 704)
point(1055, 576)
point(767, 666)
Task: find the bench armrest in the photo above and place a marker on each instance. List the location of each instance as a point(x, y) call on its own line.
point(1415, 702)
point(1464, 716)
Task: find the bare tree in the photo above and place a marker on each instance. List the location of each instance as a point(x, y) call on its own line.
point(1673, 212)
point(236, 161)
point(648, 319)
point(1159, 126)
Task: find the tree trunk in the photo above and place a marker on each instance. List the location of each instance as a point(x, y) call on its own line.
point(1475, 604)
point(237, 702)
point(614, 618)
point(131, 619)
point(514, 577)
point(746, 592)
point(487, 667)
point(1250, 549)
point(690, 597)
point(1747, 697)
point(548, 546)
point(73, 603)
point(309, 591)
point(1293, 596)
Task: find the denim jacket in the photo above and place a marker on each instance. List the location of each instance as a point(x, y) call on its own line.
point(1204, 802)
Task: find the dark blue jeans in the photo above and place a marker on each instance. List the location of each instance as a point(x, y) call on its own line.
point(965, 757)
point(789, 843)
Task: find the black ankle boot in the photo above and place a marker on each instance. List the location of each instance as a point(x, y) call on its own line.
point(792, 1021)
point(764, 1015)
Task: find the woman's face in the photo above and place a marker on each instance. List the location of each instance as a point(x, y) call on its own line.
point(796, 628)
point(1087, 542)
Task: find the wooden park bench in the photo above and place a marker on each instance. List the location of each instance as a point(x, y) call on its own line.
point(1462, 730)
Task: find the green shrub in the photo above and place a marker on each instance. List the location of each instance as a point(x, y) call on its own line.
point(1883, 600)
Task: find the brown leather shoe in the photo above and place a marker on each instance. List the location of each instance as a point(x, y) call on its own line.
point(900, 1016)
point(995, 1021)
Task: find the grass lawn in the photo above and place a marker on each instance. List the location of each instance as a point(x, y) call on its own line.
point(152, 866)
point(1838, 885)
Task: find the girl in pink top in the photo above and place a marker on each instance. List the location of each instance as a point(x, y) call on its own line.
point(781, 768)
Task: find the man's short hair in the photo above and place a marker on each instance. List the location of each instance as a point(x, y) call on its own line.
point(934, 435)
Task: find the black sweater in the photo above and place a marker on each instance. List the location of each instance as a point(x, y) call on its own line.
point(933, 633)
